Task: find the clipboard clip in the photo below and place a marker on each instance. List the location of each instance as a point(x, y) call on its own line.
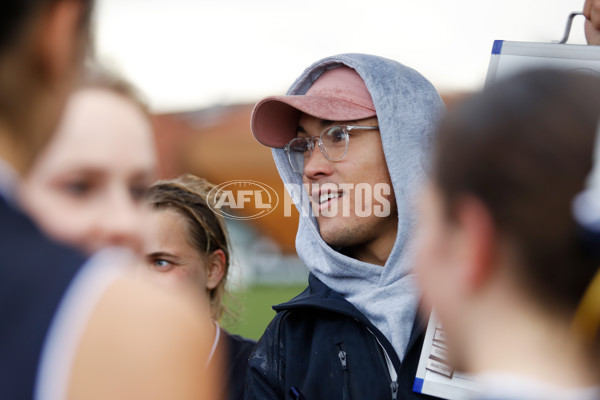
point(568, 27)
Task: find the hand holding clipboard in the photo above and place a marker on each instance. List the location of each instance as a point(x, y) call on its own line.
point(591, 11)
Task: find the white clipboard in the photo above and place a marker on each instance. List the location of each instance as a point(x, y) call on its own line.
point(509, 58)
point(434, 376)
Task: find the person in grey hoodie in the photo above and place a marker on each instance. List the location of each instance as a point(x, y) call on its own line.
point(350, 141)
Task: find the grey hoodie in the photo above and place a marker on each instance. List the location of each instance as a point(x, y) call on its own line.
point(408, 108)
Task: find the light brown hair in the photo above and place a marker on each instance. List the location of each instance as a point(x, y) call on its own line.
point(98, 76)
point(188, 195)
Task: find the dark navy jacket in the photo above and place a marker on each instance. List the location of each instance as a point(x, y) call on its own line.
point(238, 351)
point(319, 346)
point(34, 274)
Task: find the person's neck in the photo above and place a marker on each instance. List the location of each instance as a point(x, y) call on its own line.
point(521, 340)
point(374, 252)
point(11, 152)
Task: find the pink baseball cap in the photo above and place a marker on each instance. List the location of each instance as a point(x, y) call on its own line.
point(339, 94)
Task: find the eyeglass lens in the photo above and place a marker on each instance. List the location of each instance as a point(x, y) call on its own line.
point(333, 145)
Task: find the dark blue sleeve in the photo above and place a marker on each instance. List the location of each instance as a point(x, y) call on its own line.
point(266, 365)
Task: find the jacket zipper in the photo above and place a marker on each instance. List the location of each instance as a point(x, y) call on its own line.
point(393, 374)
point(344, 362)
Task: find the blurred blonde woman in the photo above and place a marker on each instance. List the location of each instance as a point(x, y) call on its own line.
point(87, 187)
point(188, 243)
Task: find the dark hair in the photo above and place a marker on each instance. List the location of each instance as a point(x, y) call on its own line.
point(16, 14)
point(524, 148)
point(188, 195)
point(21, 78)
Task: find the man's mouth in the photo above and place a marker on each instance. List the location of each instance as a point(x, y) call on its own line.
point(325, 197)
point(326, 194)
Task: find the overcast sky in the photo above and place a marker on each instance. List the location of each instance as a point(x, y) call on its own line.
point(189, 54)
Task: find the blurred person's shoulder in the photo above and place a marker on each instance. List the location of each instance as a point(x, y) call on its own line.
point(117, 334)
point(87, 327)
point(34, 275)
point(47, 291)
point(148, 340)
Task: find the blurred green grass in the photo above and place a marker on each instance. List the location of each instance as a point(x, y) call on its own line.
point(252, 307)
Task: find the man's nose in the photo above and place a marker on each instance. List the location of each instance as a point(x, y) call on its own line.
point(317, 164)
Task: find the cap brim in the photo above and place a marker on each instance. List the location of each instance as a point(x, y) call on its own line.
point(274, 120)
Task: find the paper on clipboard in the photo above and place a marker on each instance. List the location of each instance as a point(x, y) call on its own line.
point(434, 376)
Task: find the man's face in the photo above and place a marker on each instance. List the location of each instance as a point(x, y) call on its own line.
point(352, 198)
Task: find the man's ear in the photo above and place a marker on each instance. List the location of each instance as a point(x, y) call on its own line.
point(59, 41)
point(477, 242)
point(215, 268)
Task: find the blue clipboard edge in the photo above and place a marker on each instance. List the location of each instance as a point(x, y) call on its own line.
point(533, 49)
point(418, 385)
point(497, 46)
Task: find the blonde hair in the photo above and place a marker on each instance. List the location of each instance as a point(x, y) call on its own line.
point(188, 195)
point(100, 77)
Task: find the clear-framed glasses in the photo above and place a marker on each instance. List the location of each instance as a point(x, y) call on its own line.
point(333, 143)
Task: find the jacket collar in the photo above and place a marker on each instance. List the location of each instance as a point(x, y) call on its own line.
point(320, 296)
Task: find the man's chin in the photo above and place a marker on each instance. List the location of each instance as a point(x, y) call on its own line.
point(335, 236)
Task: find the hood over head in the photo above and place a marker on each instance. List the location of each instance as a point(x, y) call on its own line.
point(408, 108)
